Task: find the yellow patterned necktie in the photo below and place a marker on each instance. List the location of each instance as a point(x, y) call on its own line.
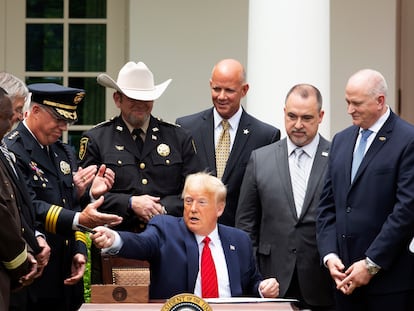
point(223, 148)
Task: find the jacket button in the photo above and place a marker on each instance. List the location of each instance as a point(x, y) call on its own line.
point(144, 181)
point(348, 209)
point(142, 166)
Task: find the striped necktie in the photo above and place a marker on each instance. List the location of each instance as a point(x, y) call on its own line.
point(299, 184)
point(209, 285)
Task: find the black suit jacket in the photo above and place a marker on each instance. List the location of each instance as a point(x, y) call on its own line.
point(251, 134)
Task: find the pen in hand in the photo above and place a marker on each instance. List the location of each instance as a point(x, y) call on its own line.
point(86, 229)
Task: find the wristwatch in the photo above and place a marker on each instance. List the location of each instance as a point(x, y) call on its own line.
point(371, 267)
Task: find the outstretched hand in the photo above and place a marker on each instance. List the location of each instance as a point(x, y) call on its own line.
point(91, 217)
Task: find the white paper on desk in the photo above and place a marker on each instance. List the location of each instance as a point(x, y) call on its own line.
point(411, 247)
point(246, 300)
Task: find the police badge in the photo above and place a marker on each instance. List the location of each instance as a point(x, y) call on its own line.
point(163, 150)
point(65, 167)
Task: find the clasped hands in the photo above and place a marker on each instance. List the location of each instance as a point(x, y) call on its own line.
point(346, 281)
point(147, 206)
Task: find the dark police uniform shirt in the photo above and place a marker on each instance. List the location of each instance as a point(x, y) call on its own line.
point(167, 157)
point(50, 182)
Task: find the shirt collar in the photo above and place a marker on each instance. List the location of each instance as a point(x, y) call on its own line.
point(234, 120)
point(144, 127)
point(309, 149)
point(380, 122)
point(214, 237)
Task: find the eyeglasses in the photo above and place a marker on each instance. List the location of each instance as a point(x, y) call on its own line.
point(59, 120)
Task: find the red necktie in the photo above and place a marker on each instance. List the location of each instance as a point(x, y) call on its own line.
point(209, 287)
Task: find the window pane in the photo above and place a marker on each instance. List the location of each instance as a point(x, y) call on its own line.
point(31, 80)
point(44, 8)
point(44, 47)
point(87, 8)
point(92, 109)
point(74, 140)
point(87, 47)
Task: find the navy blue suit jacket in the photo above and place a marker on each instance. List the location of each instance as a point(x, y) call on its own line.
point(251, 134)
point(172, 251)
point(373, 216)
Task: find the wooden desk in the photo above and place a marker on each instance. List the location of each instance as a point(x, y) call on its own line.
point(274, 306)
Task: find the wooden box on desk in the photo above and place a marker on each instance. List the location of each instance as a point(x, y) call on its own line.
point(125, 283)
point(109, 293)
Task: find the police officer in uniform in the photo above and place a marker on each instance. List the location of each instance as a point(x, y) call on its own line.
point(47, 165)
point(150, 157)
point(17, 266)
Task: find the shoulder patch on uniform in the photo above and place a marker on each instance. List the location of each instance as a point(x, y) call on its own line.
point(168, 123)
point(82, 147)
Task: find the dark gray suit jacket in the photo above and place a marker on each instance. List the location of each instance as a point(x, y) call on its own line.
point(281, 239)
point(251, 134)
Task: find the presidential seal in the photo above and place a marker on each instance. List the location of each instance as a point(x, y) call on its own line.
point(163, 150)
point(119, 294)
point(186, 302)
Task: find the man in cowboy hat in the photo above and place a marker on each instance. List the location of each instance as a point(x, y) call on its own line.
point(150, 157)
point(46, 165)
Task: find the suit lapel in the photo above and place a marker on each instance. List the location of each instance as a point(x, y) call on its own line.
point(378, 142)
point(230, 253)
point(207, 139)
point(318, 168)
point(192, 255)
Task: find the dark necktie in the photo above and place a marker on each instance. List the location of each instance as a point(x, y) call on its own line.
point(209, 285)
point(136, 134)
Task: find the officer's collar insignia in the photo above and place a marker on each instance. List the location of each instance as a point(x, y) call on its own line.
point(246, 131)
point(154, 137)
point(119, 128)
point(155, 129)
point(13, 135)
point(163, 150)
point(382, 138)
point(324, 154)
point(65, 167)
point(119, 148)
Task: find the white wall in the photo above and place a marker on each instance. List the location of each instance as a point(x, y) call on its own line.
point(185, 38)
point(182, 40)
point(363, 35)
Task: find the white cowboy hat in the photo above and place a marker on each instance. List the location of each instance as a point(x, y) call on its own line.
point(136, 81)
